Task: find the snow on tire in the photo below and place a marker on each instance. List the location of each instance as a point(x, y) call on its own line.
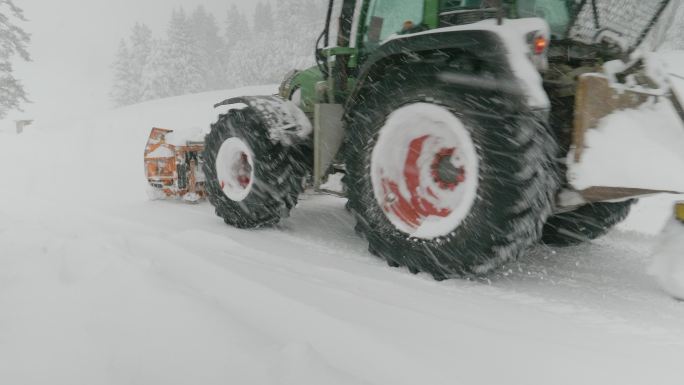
point(235, 169)
point(252, 181)
point(438, 184)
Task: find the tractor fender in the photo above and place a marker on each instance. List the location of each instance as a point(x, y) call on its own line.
point(284, 121)
point(478, 60)
point(304, 81)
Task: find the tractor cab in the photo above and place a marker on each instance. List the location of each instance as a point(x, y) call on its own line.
point(363, 26)
point(384, 19)
point(558, 13)
point(357, 33)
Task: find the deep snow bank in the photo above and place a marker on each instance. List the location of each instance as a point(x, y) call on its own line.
point(668, 260)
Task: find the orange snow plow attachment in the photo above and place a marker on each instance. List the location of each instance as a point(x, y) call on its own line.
point(174, 170)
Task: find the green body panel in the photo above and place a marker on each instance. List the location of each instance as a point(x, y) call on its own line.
point(431, 19)
point(305, 81)
point(310, 81)
point(313, 88)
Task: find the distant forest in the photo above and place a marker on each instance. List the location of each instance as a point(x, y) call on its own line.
point(199, 53)
point(14, 43)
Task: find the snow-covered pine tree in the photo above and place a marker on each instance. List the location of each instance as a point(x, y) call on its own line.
point(185, 69)
point(281, 41)
point(263, 58)
point(121, 92)
point(263, 18)
point(301, 22)
point(129, 65)
point(238, 38)
point(13, 42)
point(157, 78)
point(195, 58)
point(237, 29)
point(140, 51)
point(210, 49)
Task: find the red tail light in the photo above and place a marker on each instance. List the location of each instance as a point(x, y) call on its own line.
point(540, 45)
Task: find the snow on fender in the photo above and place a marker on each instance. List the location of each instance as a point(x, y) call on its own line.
point(668, 260)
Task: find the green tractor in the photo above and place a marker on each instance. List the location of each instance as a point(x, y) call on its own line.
point(450, 120)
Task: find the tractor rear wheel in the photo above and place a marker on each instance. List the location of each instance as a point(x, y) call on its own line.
point(587, 223)
point(444, 192)
point(251, 180)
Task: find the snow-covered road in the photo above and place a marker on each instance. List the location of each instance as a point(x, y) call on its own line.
point(100, 286)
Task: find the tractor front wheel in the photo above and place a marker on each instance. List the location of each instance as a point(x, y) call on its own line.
point(252, 181)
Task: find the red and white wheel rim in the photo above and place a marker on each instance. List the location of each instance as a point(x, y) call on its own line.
point(235, 169)
point(424, 170)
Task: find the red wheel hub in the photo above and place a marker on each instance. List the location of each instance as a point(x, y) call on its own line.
point(424, 170)
point(422, 201)
point(244, 171)
point(235, 169)
point(444, 173)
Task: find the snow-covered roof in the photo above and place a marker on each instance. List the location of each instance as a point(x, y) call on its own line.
point(163, 151)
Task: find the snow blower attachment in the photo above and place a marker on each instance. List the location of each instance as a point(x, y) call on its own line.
point(451, 124)
point(598, 96)
point(174, 170)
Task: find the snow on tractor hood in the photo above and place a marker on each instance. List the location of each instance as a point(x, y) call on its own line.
point(639, 148)
point(513, 33)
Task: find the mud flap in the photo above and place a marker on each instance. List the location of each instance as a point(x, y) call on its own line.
point(328, 138)
point(286, 122)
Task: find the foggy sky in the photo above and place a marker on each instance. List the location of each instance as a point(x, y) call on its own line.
point(73, 46)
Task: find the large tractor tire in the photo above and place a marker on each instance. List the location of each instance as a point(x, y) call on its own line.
point(252, 180)
point(439, 188)
point(585, 224)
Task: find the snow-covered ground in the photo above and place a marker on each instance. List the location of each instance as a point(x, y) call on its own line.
point(668, 264)
point(98, 285)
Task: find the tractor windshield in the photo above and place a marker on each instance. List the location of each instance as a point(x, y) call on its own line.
point(555, 12)
point(388, 17)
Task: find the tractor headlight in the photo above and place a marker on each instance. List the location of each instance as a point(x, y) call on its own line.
point(679, 211)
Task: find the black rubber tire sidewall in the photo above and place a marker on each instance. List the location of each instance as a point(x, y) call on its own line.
point(586, 223)
point(277, 178)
